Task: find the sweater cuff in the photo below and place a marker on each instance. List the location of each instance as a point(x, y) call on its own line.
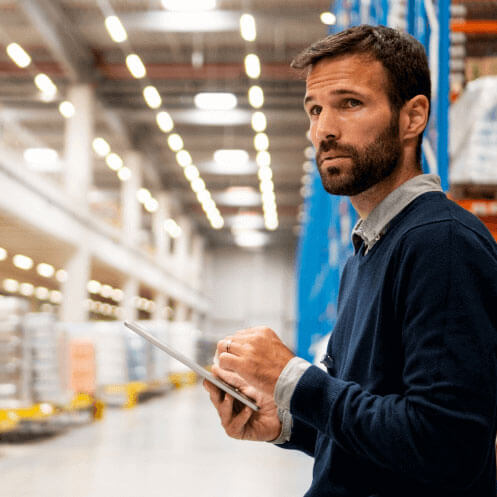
point(286, 426)
point(287, 381)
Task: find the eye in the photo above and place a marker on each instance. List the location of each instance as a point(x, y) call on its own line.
point(352, 102)
point(315, 110)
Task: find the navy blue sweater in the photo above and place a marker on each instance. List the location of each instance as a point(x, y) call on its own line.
point(409, 404)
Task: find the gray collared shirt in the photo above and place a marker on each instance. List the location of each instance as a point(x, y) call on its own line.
point(368, 231)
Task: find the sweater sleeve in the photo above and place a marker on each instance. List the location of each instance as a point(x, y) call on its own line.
point(303, 438)
point(440, 429)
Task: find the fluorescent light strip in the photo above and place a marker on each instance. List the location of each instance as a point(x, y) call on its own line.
point(115, 29)
point(19, 56)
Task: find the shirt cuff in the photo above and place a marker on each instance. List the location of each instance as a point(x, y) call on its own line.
point(286, 427)
point(287, 381)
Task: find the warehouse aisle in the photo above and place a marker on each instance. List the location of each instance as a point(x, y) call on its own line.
point(169, 447)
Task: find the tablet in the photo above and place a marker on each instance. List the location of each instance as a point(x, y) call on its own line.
point(234, 392)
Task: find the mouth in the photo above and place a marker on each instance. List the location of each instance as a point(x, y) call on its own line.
point(331, 158)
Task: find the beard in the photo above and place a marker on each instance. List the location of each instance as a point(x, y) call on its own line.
point(370, 165)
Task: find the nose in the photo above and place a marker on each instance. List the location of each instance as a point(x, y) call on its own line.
point(326, 127)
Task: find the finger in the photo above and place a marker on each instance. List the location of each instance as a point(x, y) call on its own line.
point(216, 394)
point(231, 362)
point(226, 411)
point(222, 345)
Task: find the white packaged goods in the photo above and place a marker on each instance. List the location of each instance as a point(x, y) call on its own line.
point(183, 337)
point(473, 134)
point(15, 364)
point(47, 346)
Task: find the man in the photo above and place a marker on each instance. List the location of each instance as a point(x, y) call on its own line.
point(408, 404)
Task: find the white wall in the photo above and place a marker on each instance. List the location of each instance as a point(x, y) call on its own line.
point(251, 288)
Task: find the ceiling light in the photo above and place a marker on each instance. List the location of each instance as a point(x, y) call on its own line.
point(251, 238)
point(152, 97)
point(268, 196)
point(248, 221)
point(45, 270)
point(143, 195)
point(93, 286)
point(106, 291)
point(204, 196)
point(117, 295)
point(231, 157)
point(22, 262)
point(261, 142)
point(247, 27)
point(183, 158)
point(217, 223)
point(26, 289)
point(272, 224)
point(328, 18)
point(42, 293)
point(55, 297)
point(198, 185)
point(266, 186)
point(256, 97)
point(175, 142)
point(67, 109)
point(208, 205)
point(61, 275)
point(124, 174)
point(265, 173)
point(20, 57)
point(259, 122)
point(308, 166)
point(114, 161)
point(164, 121)
point(189, 5)
point(171, 226)
point(45, 85)
point(309, 152)
point(10, 285)
point(252, 66)
point(263, 158)
point(101, 147)
point(42, 159)
point(135, 66)
point(215, 101)
point(151, 205)
point(191, 172)
point(239, 196)
point(115, 29)
point(3, 254)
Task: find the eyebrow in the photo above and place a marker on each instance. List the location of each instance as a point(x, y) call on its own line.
point(339, 91)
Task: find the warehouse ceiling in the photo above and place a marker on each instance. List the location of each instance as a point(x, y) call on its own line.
point(68, 41)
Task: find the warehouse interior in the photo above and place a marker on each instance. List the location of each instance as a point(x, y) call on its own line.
point(155, 166)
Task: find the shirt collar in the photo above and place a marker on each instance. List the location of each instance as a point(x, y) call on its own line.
point(372, 228)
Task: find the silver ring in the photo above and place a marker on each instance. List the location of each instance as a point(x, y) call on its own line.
point(228, 345)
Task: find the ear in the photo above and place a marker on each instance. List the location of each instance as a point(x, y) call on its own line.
point(414, 117)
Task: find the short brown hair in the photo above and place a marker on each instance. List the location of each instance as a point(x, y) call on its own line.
point(402, 56)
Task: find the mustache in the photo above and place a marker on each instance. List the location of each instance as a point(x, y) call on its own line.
point(326, 145)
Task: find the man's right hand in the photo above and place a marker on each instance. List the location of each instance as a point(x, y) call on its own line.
point(244, 424)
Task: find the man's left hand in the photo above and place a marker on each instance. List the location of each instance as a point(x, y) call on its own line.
point(257, 355)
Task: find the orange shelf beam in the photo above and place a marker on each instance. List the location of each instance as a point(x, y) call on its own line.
point(474, 27)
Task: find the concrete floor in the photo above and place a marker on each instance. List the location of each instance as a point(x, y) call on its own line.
point(172, 446)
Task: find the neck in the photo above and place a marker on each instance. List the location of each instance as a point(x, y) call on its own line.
point(366, 201)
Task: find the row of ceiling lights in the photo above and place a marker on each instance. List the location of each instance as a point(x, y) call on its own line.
point(164, 121)
point(48, 157)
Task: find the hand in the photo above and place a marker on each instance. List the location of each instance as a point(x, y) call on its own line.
point(245, 424)
point(257, 355)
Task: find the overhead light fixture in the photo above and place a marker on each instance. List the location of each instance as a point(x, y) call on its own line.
point(45, 270)
point(215, 101)
point(252, 66)
point(45, 85)
point(42, 159)
point(198, 185)
point(191, 172)
point(183, 158)
point(231, 157)
point(265, 173)
point(175, 142)
point(115, 29)
point(143, 195)
point(26, 289)
point(247, 27)
point(239, 196)
point(10, 285)
point(189, 5)
point(263, 158)
point(20, 57)
point(251, 239)
point(124, 174)
point(106, 291)
point(247, 221)
point(135, 66)
point(256, 97)
point(67, 109)
point(3, 254)
point(42, 293)
point(55, 297)
point(259, 121)
point(171, 226)
point(94, 286)
point(261, 142)
point(152, 97)
point(328, 18)
point(151, 205)
point(204, 196)
point(217, 223)
point(101, 147)
point(114, 161)
point(61, 275)
point(164, 121)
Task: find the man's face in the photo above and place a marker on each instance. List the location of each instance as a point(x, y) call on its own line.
point(354, 131)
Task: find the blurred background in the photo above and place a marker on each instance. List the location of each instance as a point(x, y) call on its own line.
point(155, 166)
